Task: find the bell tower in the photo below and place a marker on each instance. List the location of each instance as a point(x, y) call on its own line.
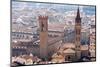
point(43, 24)
point(78, 35)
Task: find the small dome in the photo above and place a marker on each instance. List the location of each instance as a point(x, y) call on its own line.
point(69, 51)
point(69, 45)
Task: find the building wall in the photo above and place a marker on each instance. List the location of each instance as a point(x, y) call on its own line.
point(84, 53)
point(18, 51)
point(53, 48)
point(21, 35)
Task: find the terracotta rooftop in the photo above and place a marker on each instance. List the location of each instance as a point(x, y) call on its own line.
point(56, 27)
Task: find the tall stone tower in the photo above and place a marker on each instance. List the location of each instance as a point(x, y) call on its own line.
point(43, 23)
point(78, 35)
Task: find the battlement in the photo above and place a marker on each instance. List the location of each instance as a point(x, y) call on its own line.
point(42, 17)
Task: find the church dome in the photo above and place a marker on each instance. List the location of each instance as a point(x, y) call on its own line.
point(68, 51)
point(69, 45)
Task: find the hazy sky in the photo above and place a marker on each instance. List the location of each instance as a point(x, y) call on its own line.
point(89, 10)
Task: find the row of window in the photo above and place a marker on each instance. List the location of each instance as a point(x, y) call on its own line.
point(19, 36)
point(53, 35)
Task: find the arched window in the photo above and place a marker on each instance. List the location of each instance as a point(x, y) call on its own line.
point(68, 57)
